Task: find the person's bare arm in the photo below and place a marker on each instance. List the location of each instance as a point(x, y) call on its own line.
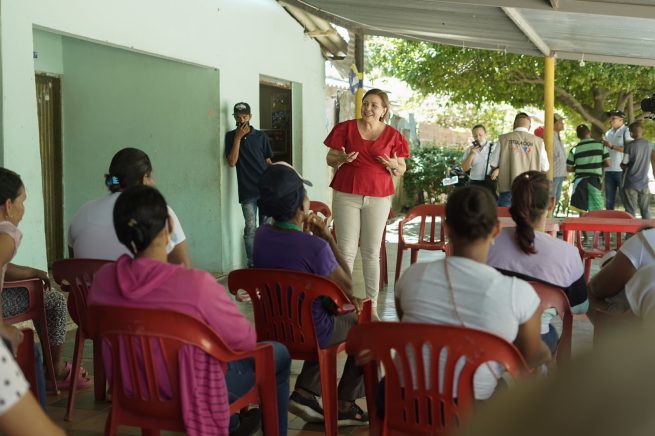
point(607, 163)
point(26, 418)
point(233, 156)
point(342, 275)
point(570, 169)
point(468, 160)
point(652, 161)
point(269, 162)
point(336, 158)
point(528, 341)
point(399, 309)
point(611, 279)
point(180, 255)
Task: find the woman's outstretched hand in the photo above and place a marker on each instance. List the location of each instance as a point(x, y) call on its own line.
point(391, 163)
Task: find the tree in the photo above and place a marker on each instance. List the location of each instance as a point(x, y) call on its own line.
point(479, 76)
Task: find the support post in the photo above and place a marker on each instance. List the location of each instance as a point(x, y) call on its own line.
point(549, 108)
point(359, 63)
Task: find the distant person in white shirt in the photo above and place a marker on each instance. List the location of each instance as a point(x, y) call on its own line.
point(517, 152)
point(477, 159)
point(461, 290)
point(91, 234)
point(615, 139)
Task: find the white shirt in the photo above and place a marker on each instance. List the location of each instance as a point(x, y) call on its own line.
point(13, 385)
point(480, 161)
point(485, 299)
point(543, 161)
point(640, 248)
point(640, 292)
point(559, 157)
point(618, 137)
point(92, 236)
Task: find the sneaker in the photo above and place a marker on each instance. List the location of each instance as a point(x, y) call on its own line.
point(249, 423)
point(306, 408)
point(353, 416)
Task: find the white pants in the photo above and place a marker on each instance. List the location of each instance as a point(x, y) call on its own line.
point(360, 221)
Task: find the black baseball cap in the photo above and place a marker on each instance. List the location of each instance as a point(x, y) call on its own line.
point(616, 113)
point(280, 180)
point(242, 108)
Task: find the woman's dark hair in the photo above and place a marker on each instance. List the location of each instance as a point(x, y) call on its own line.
point(140, 213)
point(284, 208)
point(582, 131)
point(530, 199)
point(127, 169)
point(471, 213)
point(10, 184)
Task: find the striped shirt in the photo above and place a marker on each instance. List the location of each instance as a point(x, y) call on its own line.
point(587, 158)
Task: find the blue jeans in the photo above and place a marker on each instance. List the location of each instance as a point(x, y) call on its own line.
point(505, 199)
point(240, 377)
point(250, 215)
point(612, 184)
point(557, 189)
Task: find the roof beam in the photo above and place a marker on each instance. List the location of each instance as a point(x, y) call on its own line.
point(573, 56)
point(527, 29)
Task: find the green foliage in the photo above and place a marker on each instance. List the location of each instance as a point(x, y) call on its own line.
point(427, 166)
point(479, 76)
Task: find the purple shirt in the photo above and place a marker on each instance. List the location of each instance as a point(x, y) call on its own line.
point(298, 251)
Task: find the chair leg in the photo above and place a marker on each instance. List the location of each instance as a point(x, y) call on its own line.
point(47, 353)
point(414, 256)
point(399, 261)
point(328, 366)
point(75, 369)
point(99, 379)
point(110, 424)
point(587, 269)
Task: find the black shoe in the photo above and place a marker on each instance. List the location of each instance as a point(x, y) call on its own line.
point(306, 408)
point(354, 416)
point(249, 423)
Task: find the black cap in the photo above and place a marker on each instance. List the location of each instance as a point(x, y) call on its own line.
point(242, 108)
point(616, 113)
point(280, 180)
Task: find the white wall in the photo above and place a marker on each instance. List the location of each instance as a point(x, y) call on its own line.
point(243, 39)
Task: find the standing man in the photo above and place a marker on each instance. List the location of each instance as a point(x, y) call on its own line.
point(615, 139)
point(638, 157)
point(477, 159)
point(250, 151)
point(587, 160)
point(559, 159)
point(517, 152)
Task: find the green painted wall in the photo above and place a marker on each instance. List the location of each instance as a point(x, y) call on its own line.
point(49, 52)
point(115, 98)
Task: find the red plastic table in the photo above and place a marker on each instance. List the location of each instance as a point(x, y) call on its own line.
point(552, 224)
point(614, 225)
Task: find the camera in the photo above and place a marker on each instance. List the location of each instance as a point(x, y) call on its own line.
point(648, 107)
point(477, 144)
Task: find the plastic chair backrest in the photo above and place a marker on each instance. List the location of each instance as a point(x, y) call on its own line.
point(282, 304)
point(426, 212)
point(428, 408)
point(318, 207)
point(140, 335)
point(76, 277)
point(554, 297)
point(617, 214)
point(503, 212)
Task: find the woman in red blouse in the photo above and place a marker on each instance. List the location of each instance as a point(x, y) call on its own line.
point(365, 153)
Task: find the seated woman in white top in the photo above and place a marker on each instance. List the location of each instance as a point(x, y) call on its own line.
point(527, 252)
point(20, 413)
point(91, 234)
point(462, 290)
point(606, 289)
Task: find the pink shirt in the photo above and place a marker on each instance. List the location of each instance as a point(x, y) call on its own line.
point(147, 283)
point(17, 236)
point(365, 175)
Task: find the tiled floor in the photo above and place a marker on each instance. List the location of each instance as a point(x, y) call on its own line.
point(89, 418)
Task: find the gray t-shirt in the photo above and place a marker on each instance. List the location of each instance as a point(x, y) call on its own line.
point(637, 156)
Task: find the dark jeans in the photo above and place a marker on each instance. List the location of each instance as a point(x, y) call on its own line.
point(505, 199)
point(251, 216)
point(612, 184)
point(240, 377)
point(482, 184)
point(551, 339)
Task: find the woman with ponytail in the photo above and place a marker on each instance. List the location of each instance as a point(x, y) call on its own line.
point(526, 251)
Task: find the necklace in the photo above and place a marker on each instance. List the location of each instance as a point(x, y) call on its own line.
point(285, 225)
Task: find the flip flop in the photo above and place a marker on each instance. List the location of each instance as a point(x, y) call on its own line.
point(83, 379)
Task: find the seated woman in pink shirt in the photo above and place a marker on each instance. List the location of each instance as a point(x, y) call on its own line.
point(143, 225)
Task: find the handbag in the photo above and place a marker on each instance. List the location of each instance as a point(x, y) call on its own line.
point(490, 184)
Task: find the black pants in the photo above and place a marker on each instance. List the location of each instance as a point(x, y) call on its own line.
point(484, 184)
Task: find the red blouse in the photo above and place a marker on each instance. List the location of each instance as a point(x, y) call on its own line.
point(365, 175)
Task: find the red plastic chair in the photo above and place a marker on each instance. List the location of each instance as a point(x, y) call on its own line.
point(25, 360)
point(131, 329)
point(588, 255)
point(282, 303)
point(320, 208)
point(425, 241)
point(35, 312)
point(554, 297)
point(503, 212)
point(76, 276)
point(429, 409)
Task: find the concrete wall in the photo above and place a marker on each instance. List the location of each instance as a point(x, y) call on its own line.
point(243, 40)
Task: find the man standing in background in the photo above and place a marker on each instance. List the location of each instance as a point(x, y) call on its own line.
point(638, 157)
point(615, 139)
point(559, 159)
point(250, 151)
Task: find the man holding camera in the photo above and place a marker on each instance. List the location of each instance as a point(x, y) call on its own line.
point(477, 158)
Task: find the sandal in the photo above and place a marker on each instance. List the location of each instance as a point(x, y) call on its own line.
point(353, 416)
point(83, 379)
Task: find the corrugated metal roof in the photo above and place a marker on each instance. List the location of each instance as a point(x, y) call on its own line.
point(620, 31)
